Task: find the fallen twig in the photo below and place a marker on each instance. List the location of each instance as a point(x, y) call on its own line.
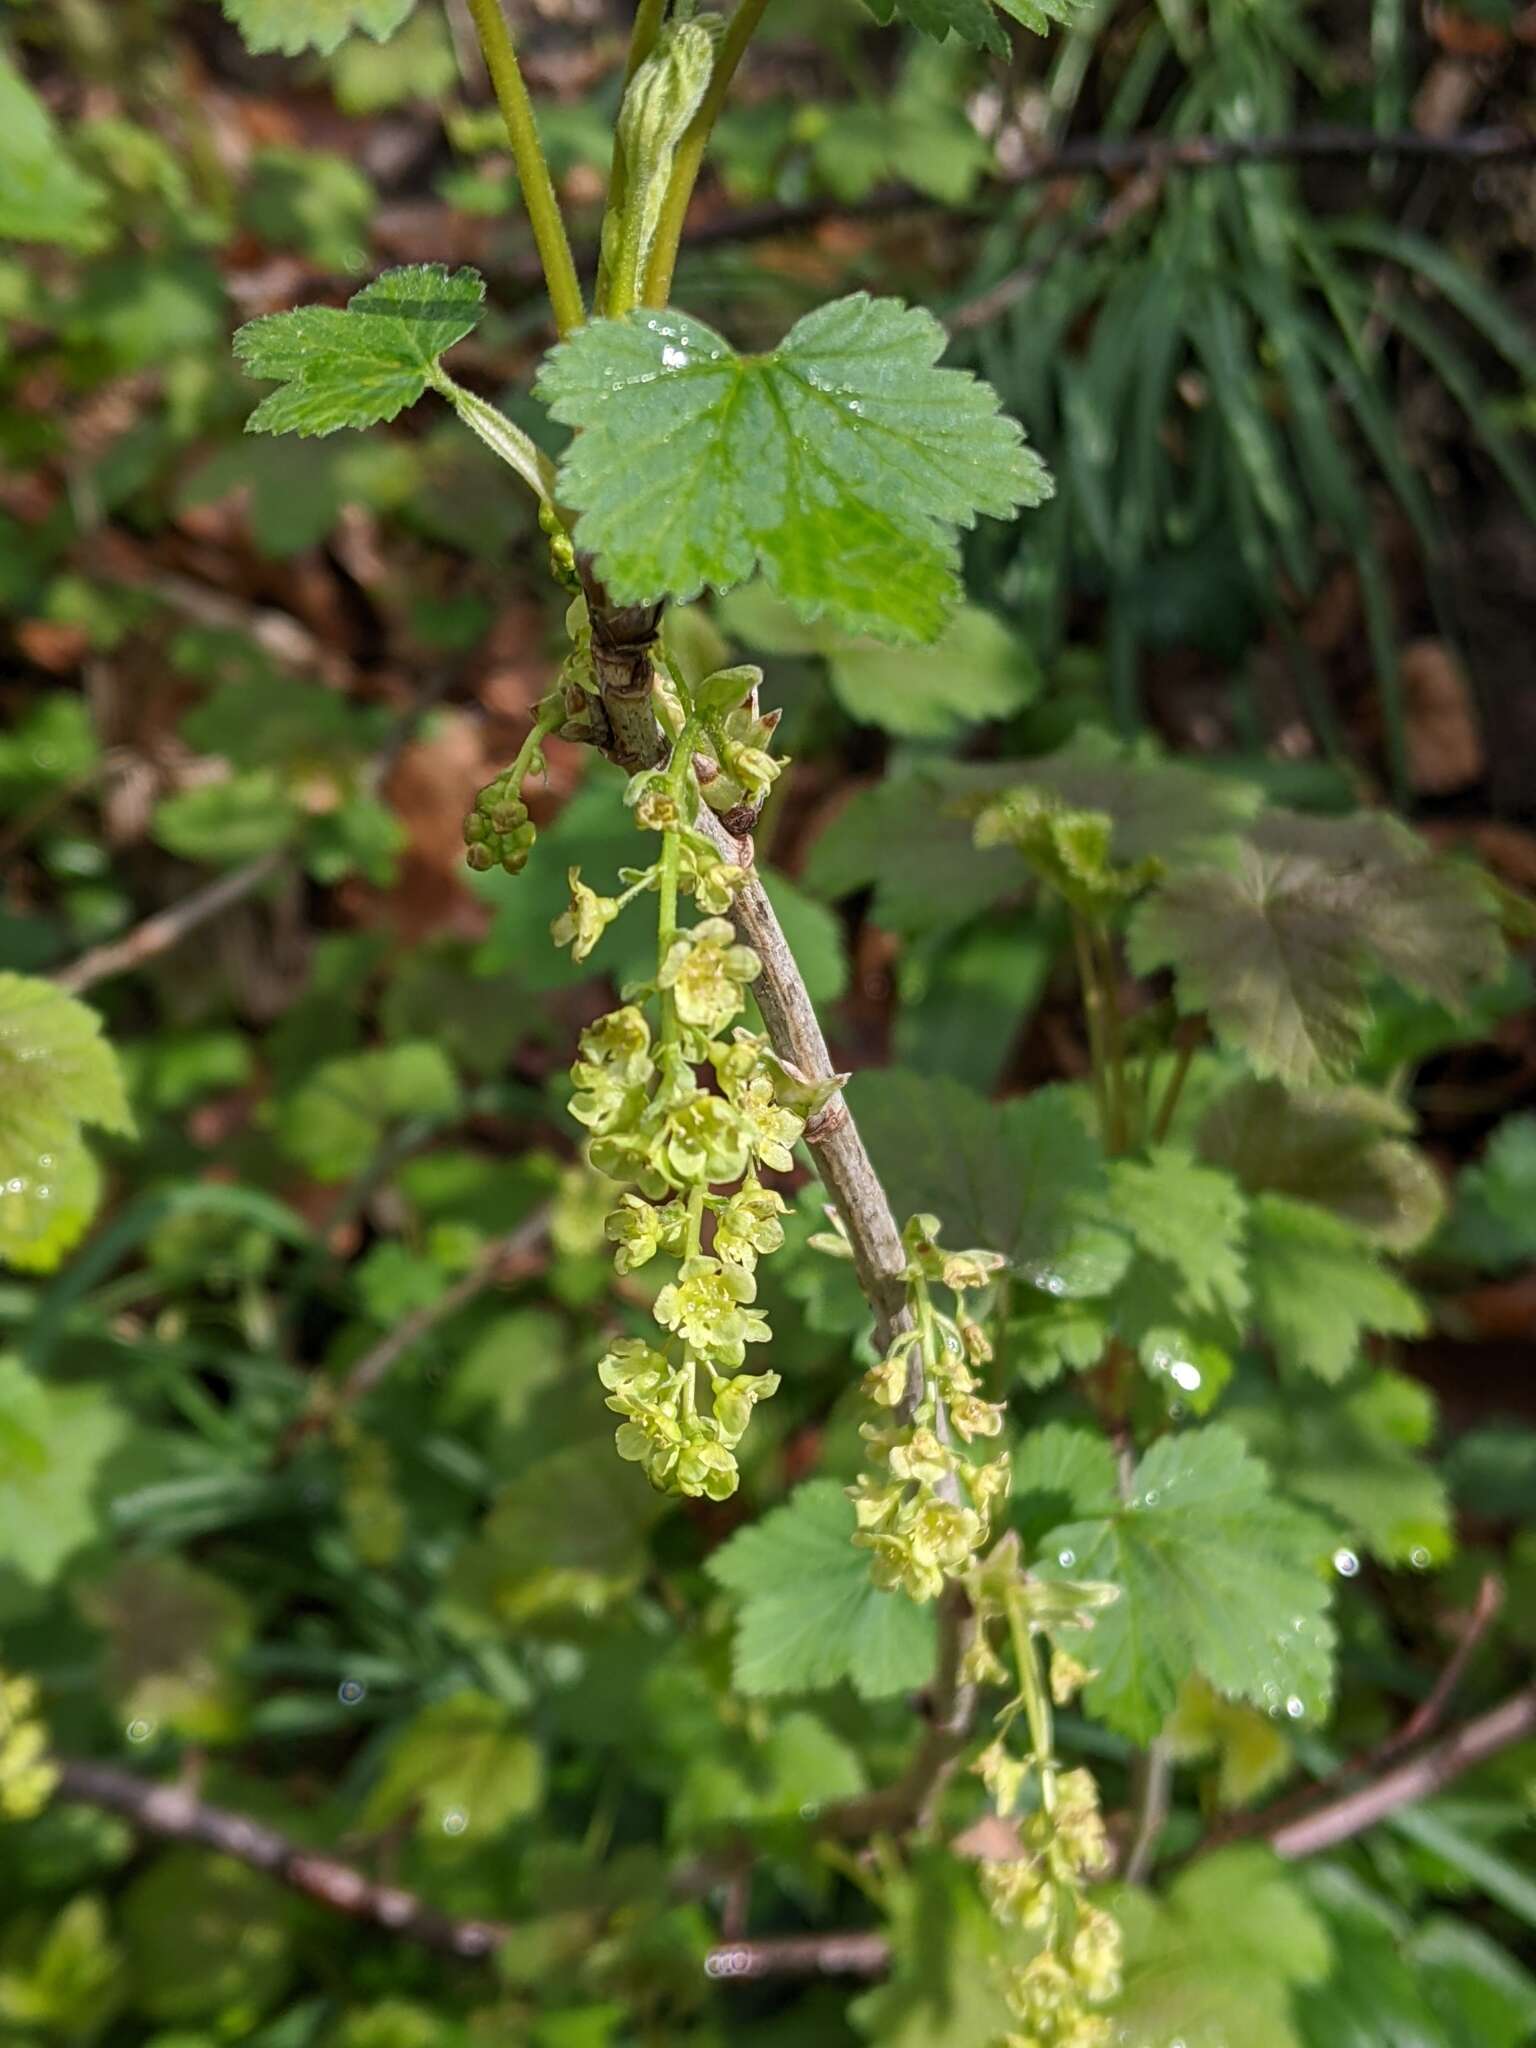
point(175, 1813)
point(497, 1262)
point(1418, 1779)
point(167, 928)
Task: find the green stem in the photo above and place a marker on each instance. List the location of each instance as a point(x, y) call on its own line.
point(1174, 1090)
point(1114, 1037)
point(1037, 1707)
point(666, 925)
point(690, 153)
point(533, 172)
point(649, 16)
point(1093, 1009)
point(678, 769)
point(500, 436)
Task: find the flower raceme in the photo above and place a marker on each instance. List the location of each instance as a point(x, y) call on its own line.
point(683, 1107)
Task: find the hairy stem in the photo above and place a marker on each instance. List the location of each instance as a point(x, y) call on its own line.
point(544, 213)
point(690, 153)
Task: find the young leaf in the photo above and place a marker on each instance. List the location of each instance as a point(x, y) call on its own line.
point(1216, 1575)
point(1318, 1287)
point(463, 1767)
point(810, 1615)
point(1069, 850)
point(1493, 1226)
point(52, 1443)
point(1249, 1750)
point(356, 366)
point(43, 197)
point(905, 838)
point(1356, 1455)
point(56, 1073)
point(1158, 809)
point(973, 20)
point(332, 1124)
point(294, 25)
point(1023, 1178)
point(841, 462)
point(976, 670)
point(1218, 1959)
point(1340, 1149)
point(1180, 1304)
point(1278, 947)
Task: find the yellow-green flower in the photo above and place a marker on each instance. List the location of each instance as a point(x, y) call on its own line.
point(774, 1129)
point(748, 1226)
point(736, 1398)
point(588, 917)
point(707, 1305)
point(706, 971)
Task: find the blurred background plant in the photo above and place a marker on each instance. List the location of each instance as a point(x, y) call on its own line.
point(300, 1496)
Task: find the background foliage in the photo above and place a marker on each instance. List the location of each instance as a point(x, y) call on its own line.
point(404, 1605)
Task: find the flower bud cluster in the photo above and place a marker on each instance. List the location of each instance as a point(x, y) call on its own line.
point(926, 1517)
point(498, 832)
point(27, 1778)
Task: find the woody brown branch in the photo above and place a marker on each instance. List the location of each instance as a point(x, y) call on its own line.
point(175, 1813)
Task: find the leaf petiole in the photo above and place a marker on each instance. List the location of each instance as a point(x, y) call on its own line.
point(498, 433)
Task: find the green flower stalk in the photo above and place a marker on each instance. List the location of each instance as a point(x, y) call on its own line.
point(1063, 1847)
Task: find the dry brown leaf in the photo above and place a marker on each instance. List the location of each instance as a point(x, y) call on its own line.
point(1445, 745)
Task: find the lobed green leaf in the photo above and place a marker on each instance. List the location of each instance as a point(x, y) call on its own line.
point(840, 463)
point(358, 365)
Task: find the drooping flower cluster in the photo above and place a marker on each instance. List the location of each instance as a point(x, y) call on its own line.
point(928, 1516)
point(684, 1115)
point(926, 1520)
point(27, 1778)
point(1062, 1845)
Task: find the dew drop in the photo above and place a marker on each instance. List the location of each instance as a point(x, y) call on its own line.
point(455, 1821)
point(1150, 1497)
point(140, 1729)
point(1345, 1563)
point(675, 358)
point(1418, 1557)
point(1185, 1375)
point(1067, 1558)
point(351, 1691)
point(1294, 1708)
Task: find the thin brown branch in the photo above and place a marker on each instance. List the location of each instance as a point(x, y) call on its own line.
point(1369, 1763)
point(880, 1261)
point(832, 1136)
point(501, 1260)
point(167, 928)
point(801, 1955)
point(1427, 1716)
point(1113, 156)
point(1473, 1743)
point(174, 1813)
